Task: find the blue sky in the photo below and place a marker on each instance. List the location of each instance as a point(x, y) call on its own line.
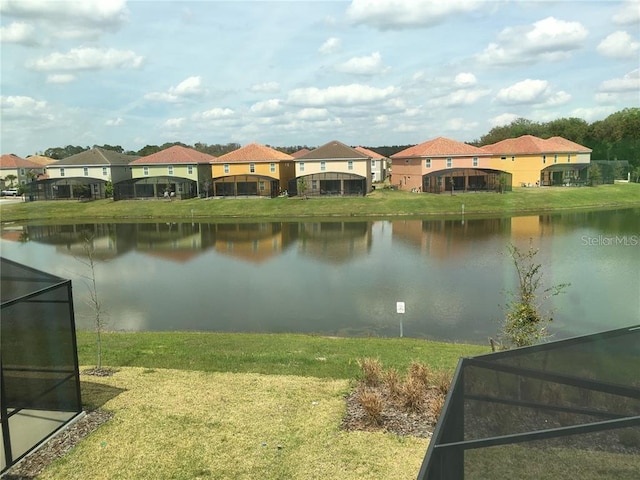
point(367, 72)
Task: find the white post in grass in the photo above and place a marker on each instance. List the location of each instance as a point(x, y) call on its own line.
point(400, 309)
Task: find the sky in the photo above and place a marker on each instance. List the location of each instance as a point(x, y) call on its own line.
point(364, 72)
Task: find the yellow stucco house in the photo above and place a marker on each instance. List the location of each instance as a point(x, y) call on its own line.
point(333, 169)
point(252, 170)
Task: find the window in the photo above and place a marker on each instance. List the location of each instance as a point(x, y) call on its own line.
point(302, 166)
point(261, 186)
point(555, 159)
point(170, 169)
point(272, 167)
point(513, 158)
point(190, 169)
point(62, 172)
point(568, 158)
point(427, 163)
point(226, 168)
point(145, 171)
point(22, 171)
point(373, 163)
point(475, 161)
point(350, 165)
point(503, 158)
point(323, 165)
point(85, 171)
point(449, 162)
point(314, 184)
point(544, 159)
point(105, 171)
point(252, 168)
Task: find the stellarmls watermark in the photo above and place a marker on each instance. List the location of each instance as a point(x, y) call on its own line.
point(611, 240)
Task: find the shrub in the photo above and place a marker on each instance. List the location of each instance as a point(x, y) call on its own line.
point(419, 372)
point(391, 380)
point(371, 371)
point(372, 403)
point(442, 381)
point(413, 394)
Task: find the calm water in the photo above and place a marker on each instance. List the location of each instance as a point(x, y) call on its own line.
point(343, 278)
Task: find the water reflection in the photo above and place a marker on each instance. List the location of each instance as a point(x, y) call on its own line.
point(340, 277)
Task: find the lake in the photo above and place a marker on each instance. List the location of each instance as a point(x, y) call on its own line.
point(342, 277)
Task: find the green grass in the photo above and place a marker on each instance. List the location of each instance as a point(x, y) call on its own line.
point(273, 354)
point(380, 203)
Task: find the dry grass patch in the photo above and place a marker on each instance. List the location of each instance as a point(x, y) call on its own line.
point(200, 425)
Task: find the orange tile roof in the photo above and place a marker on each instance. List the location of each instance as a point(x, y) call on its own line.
point(13, 161)
point(176, 154)
point(369, 153)
point(528, 144)
point(301, 152)
point(440, 147)
point(41, 160)
point(254, 152)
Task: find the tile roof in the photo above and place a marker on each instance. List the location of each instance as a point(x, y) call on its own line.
point(175, 155)
point(369, 153)
point(301, 152)
point(41, 160)
point(254, 152)
point(440, 147)
point(13, 161)
point(333, 150)
point(96, 156)
point(533, 145)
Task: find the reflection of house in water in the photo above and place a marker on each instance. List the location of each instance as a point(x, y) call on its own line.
point(253, 242)
point(336, 242)
point(109, 240)
point(179, 242)
point(445, 238)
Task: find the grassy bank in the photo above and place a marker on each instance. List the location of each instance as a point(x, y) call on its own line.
point(281, 354)
point(380, 203)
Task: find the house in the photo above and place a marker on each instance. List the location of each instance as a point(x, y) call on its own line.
point(252, 170)
point(301, 152)
point(15, 171)
point(84, 175)
point(378, 164)
point(442, 164)
point(332, 169)
point(177, 171)
point(536, 161)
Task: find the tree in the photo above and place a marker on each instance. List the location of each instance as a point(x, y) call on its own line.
point(94, 302)
point(595, 174)
point(524, 323)
point(10, 178)
point(302, 188)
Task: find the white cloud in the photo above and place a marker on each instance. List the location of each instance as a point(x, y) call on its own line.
point(459, 97)
point(399, 14)
point(629, 13)
point(312, 114)
point(341, 95)
point(368, 65)
point(331, 45)
point(619, 45)
point(525, 92)
point(19, 106)
point(20, 33)
point(60, 78)
point(86, 58)
point(86, 18)
point(215, 113)
point(267, 107)
point(549, 39)
point(504, 119)
point(460, 124)
point(629, 83)
point(465, 79)
point(266, 87)
point(114, 122)
point(174, 122)
point(189, 87)
point(593, 113)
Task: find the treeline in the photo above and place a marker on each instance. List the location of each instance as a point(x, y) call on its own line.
point(617, 137)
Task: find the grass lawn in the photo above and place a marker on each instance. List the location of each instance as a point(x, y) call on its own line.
point(240, 406)
point(380, 203)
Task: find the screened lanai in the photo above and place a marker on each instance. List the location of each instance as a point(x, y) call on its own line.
point(564, 409)
point(39, 378)
point(155, 187)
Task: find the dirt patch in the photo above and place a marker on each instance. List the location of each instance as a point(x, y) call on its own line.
point(32, 465)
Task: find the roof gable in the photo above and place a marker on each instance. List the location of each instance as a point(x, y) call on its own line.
point(174, 155)
point(369, 153)
point(96, 156)
point(528, 144)
point(13, 161)
point(440, 147)
point(253, 152)
point(333, 150)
